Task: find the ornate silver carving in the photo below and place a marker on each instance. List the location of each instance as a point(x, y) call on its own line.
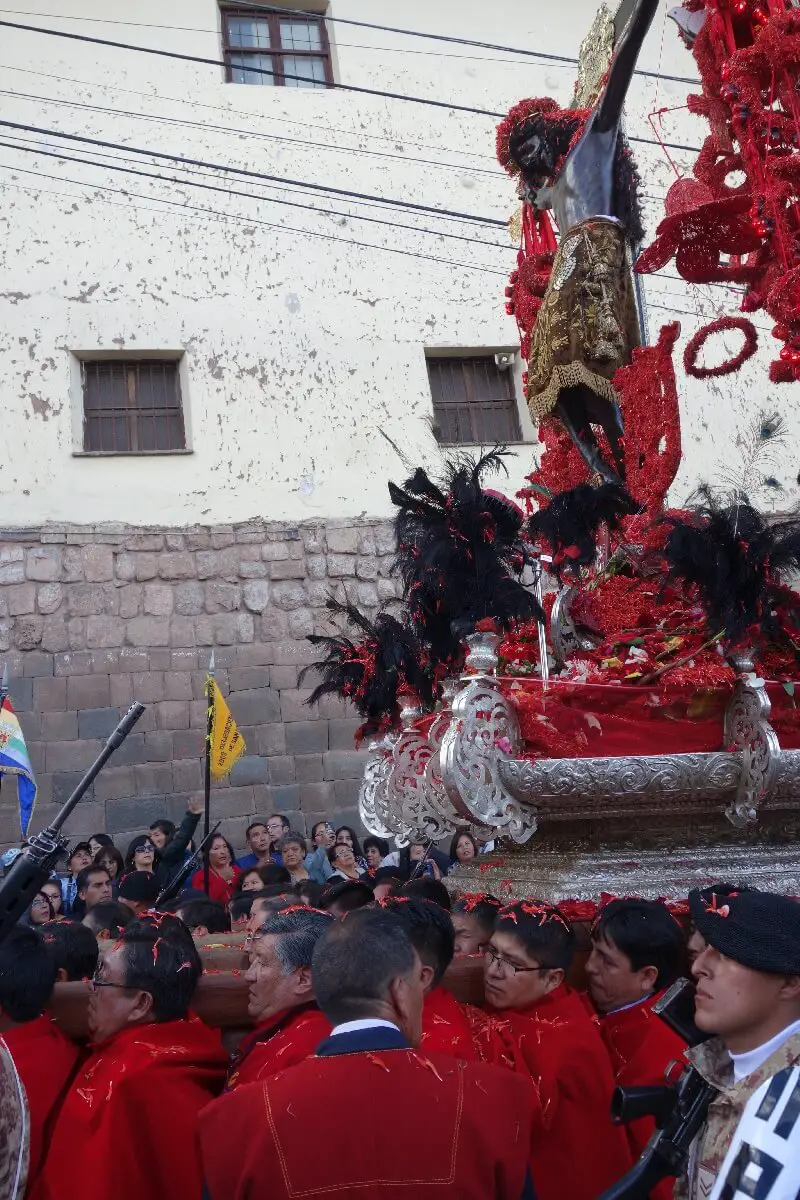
point(564, 789)
point(747, 729)
point(482, 733)
point(415, 814)
point(564, 636)
point(372, 801)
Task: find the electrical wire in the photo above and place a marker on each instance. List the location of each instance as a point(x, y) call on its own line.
point(271, 137)
point(281, 181)
point(481, 112)
point(215, 214)
point(115, 165)
point(361, 135)
point(436, 37)
point(219, 62)
point(558, 60)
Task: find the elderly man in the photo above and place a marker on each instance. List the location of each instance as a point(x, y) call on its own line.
point(429, 1124)
point(130, 1116)
point(289, 1025)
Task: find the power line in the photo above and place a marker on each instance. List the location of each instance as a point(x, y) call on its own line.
point(271, 137)
point(115, 165)
point(439, 37)
point(219, 62)
point(215, 214)
point(370, 137)
point(560, 60)
point(276, 179)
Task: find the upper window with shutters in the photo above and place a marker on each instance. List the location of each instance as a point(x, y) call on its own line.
point(276, 49)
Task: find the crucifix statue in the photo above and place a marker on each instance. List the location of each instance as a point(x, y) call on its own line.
point(576, 163)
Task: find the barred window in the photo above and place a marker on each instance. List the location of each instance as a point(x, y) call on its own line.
point(132, 407)
point(474, 401)
point(276, 50)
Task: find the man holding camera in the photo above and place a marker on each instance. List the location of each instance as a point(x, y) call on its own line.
point(747, 971)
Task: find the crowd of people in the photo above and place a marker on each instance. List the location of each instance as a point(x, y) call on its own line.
point(361, 1073)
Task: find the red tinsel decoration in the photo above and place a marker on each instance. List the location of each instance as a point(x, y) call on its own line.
point(748, 56)
point(696, 343)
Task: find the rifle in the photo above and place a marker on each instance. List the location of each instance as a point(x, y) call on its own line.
point(679, 1109)
point(183, 872)
point(38, 859)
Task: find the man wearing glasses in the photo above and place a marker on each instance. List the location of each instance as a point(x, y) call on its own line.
point(542, 1029)
point(130, 1116)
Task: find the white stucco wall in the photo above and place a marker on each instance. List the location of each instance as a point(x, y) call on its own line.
point(304, 358)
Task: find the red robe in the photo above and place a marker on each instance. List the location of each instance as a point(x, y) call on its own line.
point(46, 1060)
point(369, 1125)
point(641, 1047)
point(129, 1120)
point(576, 1152)
point(445, 1028)
point(283, 1041)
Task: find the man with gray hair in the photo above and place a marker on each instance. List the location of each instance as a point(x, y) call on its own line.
point(427, 1124)
point(289, 1025)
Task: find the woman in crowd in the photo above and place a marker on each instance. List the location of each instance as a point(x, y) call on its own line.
point(110, 859)
point(317, 864)
point(253, 879)
point(344, 863)
point(223, 873)
point(375, 851)
point(98, 842)
point(142, 855)
point(345, 834)
point(293, 851)
point(463, 848)
point(47, 904)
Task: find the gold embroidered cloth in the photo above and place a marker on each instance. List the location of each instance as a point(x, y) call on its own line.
point(588, 324)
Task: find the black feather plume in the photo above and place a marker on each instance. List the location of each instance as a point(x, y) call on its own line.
point(373, 672)
point(734, 558)
point(460, 554)
point(571, 521)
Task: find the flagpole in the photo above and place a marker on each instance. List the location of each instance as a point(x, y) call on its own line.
point(207, 781)
point(3, 693)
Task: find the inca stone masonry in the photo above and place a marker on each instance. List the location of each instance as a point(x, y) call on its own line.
point(93, 618)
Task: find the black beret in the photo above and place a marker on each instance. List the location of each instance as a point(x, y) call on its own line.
point(140, 886)
point(760, 930)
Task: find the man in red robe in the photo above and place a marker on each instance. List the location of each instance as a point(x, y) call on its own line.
point(289, 1026)
point(427, 1124)
point(541, 1029)
point(129, 1119)
point(445, 1027)
point(638, 950)
point(44, 1057)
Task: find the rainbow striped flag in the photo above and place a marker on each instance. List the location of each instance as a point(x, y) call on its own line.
point(14, 760)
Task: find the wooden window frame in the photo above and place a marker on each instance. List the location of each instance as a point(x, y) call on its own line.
point(275, 50)
point(508, 404)
point(134, 412)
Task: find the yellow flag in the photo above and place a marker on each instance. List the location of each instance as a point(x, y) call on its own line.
point(227, 744)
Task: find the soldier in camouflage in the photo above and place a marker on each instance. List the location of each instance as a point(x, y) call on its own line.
point(747, 971)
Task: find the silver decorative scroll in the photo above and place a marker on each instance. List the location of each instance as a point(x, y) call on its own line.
point(373, 807)
point(564, 636)
point(483, 733)
point(747, 729)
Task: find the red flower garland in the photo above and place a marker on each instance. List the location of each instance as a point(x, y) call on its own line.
point(695, 345)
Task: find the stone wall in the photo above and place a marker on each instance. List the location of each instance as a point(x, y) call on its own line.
point(93, 618)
